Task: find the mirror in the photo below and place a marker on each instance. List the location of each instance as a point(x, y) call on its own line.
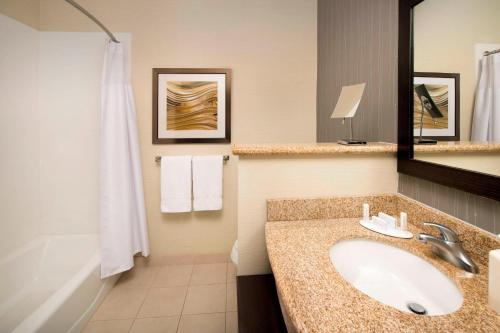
point(456, 84)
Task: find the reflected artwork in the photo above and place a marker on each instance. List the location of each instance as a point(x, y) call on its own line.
point(436, 106)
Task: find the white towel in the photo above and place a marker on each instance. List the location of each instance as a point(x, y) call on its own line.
point(176, 184)
point(207, 182)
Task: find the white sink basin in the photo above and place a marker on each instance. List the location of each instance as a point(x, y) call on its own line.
point(395, 277)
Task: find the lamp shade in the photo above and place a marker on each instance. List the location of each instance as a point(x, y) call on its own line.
point(349, 100)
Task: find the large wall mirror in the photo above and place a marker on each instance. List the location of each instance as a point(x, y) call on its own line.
point(449, 93)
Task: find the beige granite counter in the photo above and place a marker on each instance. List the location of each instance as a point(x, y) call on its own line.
point(370, 148)
point(458, 147)
point(318, 299)
point(312, 149)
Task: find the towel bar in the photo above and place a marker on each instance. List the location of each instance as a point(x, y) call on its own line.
point(225, 158)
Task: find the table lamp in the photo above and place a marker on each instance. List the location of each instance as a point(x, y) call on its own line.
point(346, 107)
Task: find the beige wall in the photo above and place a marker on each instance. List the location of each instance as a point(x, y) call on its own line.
point(271, 47)
point(25, 11)
point(482, 162)
point(445, 34)
point(269, 178)
point(19, 148)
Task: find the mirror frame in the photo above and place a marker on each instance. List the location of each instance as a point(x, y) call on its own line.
point(482, 184)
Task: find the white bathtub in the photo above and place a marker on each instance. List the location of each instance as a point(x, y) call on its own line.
point(51, 285)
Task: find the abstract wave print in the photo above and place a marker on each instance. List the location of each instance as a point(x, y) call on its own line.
point(191, 105)
point(439, 93)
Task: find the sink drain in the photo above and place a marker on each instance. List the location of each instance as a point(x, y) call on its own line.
point(416, 308)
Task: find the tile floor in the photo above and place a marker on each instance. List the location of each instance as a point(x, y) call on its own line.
point(181, 298)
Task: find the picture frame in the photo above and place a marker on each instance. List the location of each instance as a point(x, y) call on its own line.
point(191, 105)
point(440, 118)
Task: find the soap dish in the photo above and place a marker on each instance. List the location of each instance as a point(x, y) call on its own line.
point(386, 231)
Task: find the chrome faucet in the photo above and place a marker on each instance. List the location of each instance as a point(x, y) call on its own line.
point(448, 247)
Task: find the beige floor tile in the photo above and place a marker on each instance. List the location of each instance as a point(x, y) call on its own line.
point(120, 303)
point(205, 299)
point(231, 272)
point(210, 258)
point(108, 326)
point(155, 325)
point(173, 260)
point(138, 277)
point(140, 261)
point(161, 302)
point(209, 274)
point(231, 322)
point(206, 323)
point(231, 298)
point(173, 276)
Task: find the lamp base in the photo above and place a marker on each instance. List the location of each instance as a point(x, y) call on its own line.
point(351, 142)
point(424, 141)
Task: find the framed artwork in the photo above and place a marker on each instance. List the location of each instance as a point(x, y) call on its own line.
point(191, 105)
point(436, 106)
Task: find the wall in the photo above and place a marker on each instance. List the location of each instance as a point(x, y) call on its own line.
point(47, 185)
point(465, 24)
point(486, 162)
point(357, 42)
point(481, 212)
point(19, 130)
point(70, 130)
point(24, 11)
point(271, 47)
point(446, 32)
point(315, 176)
point(357, 31)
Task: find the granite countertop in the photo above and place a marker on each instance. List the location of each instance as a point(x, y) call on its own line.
point(312, 149)
point(370, 148)
point(458, 147)
point(318, 299)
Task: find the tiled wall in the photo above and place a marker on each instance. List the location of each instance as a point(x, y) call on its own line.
point(479, 211)
point(19, 134)
point(357, 42)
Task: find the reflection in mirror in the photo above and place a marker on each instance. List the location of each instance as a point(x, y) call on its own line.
point(456, 97)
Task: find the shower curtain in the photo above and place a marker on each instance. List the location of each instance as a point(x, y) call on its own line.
point(123, 217)
point(486, 119)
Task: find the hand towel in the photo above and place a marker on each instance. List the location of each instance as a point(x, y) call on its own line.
point(207, 182)
point(176, 184)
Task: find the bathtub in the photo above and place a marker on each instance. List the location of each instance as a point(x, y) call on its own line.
point(52, 285)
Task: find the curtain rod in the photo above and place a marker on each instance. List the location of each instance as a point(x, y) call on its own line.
point(93, 18)
point(487, 53)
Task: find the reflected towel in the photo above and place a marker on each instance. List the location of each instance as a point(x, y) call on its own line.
point(176, 184)
point(207, 182)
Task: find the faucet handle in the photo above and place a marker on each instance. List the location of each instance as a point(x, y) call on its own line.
point(446, 233)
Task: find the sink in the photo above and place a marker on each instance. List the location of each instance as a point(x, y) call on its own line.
point(395, 277)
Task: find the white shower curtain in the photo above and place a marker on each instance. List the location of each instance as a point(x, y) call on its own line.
point(123, 217)
point(486, 119)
